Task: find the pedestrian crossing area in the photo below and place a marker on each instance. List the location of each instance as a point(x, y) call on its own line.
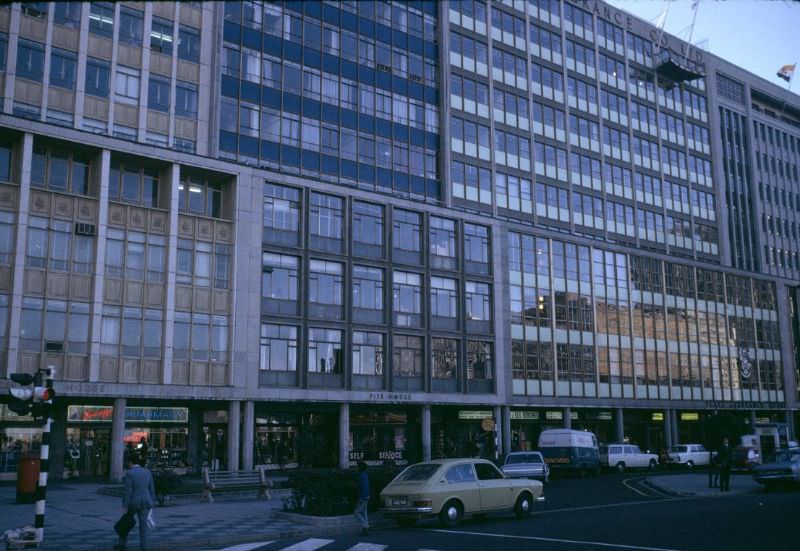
point(312, 544)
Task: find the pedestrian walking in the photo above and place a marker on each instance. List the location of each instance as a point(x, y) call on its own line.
point(362, 498)
point(724, 458)
point(138, 498)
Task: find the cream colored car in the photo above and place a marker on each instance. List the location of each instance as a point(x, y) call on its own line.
point(456, 488)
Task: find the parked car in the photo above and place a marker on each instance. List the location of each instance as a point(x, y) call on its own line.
point(689, 455)
point(456, 488)
point(626, 456)
point(570, 450)
point(745, 458)
point(784, 470)
point(526, 465)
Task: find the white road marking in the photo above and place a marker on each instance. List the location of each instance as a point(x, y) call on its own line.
point(557, 540)
point(611, 505)
point(625, 483)
point(368, 547)
point(308, 545)
point(244, 546)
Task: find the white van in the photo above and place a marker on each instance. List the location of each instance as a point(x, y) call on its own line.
point(570, 450)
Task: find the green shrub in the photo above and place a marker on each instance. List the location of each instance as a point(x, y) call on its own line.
point(332, 492)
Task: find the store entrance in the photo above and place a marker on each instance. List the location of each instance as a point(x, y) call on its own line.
point(215, 446)
point(87, 452)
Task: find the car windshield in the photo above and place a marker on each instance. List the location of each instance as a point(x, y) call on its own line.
point(418, 473)
point(678, 449)
point(788, 455)
point(523, 458)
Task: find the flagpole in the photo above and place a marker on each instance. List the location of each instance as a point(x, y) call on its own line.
point(786, 94)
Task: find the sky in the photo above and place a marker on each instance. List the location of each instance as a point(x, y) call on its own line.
point(758, 35)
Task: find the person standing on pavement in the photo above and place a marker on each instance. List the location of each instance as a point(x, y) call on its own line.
point(724, 458)
point(362, 498)
point(138, 497)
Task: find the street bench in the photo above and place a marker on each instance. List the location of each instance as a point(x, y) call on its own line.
point(220, 481)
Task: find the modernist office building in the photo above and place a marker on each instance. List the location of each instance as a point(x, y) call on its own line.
point(305, 233)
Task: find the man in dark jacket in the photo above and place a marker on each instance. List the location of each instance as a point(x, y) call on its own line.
point(138, 498)
point(362, 498)
point(724, 459)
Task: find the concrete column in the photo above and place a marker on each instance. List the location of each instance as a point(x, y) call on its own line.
point(425, 421)
point(195, 440)
point(498, 431)
point(58, 441)
point(676, 433)
point(619, 417)
point(567, 418)
point(234, 432)
point(344, 436)
point(667, 428)
point(104, 173)
point(752, 421)
point(173, 180)
point(506, 429)
point(248, 434)
point(117, 445)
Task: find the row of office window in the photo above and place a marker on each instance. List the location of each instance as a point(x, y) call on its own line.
point(281, 350)
point(286, 208)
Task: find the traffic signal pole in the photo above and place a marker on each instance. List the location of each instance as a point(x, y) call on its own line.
point(44, 456)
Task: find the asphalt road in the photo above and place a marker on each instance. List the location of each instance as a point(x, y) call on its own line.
point(610, 512)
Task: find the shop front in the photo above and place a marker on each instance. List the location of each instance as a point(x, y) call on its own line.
point(290, 436)
point(527, 424)
point(380, 436)
point(463, 432)
point(157, 435)
point(19, 438)
point(599, 421)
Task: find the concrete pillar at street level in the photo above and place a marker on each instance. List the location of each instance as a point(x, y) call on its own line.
point(234, 434)
point(676, 433)
point(567, 418)
point(194, 445)
point(506, 429)
point(752, 421)
point(426, 432)
point(58, 440)
point(667, 429)
point(248, 434)
point(344, 436)
point(117, 444)
point(619, 417)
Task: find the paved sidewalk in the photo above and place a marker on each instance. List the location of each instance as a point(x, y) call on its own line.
point(78, 518)
point(696, 484)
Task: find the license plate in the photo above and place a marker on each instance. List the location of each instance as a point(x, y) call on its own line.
point(399, 501)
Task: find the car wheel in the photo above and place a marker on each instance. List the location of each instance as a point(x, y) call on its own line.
point(690, 465)
point(620, 467)
point(652, 466)
point(406, 522)
point(451, 513)
point(524, 505)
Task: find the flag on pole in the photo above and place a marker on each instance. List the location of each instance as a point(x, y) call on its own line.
point(786, 72)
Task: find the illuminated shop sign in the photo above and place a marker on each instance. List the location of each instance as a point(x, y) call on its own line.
point(478, 414)
point(690, 416)
point(94, 414)
point(657, 416)
point(525, 415)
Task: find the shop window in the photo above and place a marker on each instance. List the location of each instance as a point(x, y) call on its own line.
point(200, 196)
point(133, 184)
point(278, 347)
point(367, 353)
point(60, 171)
point(407, 356)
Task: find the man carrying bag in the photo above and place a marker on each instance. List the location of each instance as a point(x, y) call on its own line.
point(138, 498)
